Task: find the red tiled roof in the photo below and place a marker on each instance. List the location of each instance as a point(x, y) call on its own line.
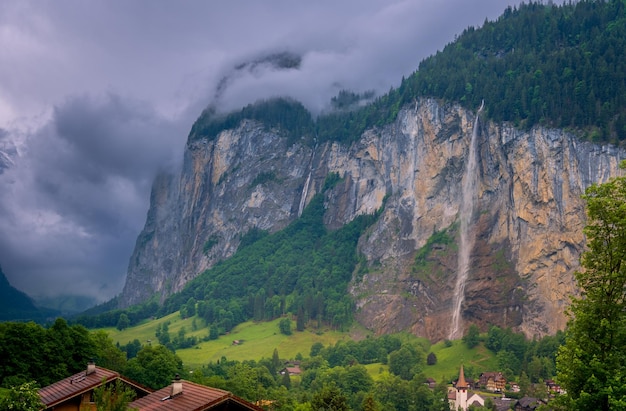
point(194, 397)
point(75, 385)
point(80, 383)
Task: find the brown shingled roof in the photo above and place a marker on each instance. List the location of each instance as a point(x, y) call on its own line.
point(77, 384)
point(194, 397)
point(461, 381)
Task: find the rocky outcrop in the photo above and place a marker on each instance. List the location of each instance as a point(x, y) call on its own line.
point(527, 222)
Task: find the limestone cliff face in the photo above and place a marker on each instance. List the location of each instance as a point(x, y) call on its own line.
point(527, 220)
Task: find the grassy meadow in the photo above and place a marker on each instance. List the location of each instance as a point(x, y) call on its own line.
point(258, 340)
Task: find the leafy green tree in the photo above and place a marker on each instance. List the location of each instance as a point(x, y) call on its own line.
point(22, 398)
point(393, 392)
point(357, 379)
point(524, 384)
point(113, 397)
point(191, 306)
point(123, 322)
point(19, 359)
point(214, 333)
point(107, 355)
point(69, 348)
point(370, 403)
point(540, 368)
point(471, 339)
point(243, 381)
point(316, 348)
point(329, 398)
point(405, 362)
point(440, 397)
point(284, 325)
point(132, 348)
point(423, 397)
point(154, 366)
point(592, 363)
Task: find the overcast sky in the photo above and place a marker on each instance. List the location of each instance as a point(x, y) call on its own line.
point(97, 96)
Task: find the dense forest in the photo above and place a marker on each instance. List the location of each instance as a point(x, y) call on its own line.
point(303, 270)
point(31, 352)
point(559, 66)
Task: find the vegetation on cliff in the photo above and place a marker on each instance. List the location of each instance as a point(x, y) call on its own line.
point(285, 115)
point(559, 66)
point(303, 271)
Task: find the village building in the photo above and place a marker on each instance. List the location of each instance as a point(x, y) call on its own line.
point(554, 388)
point(293, 370)
point(184, 395)
point(492, 381)
point(76, 393)
point(460, 397)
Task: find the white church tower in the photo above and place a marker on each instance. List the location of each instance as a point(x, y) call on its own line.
point(461, 392)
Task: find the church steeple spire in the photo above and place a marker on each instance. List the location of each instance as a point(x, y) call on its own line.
point(461, 392)
point(461, 383)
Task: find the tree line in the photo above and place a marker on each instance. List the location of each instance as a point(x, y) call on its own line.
point(558, 66)
point(30, 351)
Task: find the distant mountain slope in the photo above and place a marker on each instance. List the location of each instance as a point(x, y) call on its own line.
point(257, 169)
point(558, 66)
point(14, 304)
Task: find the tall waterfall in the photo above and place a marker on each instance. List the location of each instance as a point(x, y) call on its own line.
point(469, 182)
point(305, 189)
point(305, 192)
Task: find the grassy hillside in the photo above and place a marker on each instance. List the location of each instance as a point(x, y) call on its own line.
point(259, 339)
point(449, 359)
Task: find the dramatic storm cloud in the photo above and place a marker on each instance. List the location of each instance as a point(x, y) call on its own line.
point(97, 97)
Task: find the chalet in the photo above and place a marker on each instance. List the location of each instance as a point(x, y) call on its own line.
point(184, 395)
point(492, 381)
point(294, 370)
point(431, 383)
point(77, 392)
point(553, 387)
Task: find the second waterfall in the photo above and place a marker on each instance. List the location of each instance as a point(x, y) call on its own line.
point(466, 240)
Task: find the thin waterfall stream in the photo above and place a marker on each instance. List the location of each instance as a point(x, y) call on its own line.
point(466, 241)
point(305, 189)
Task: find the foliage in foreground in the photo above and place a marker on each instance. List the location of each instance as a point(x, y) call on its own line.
point(22, 398)
point(592, 363)
point(113, 397)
